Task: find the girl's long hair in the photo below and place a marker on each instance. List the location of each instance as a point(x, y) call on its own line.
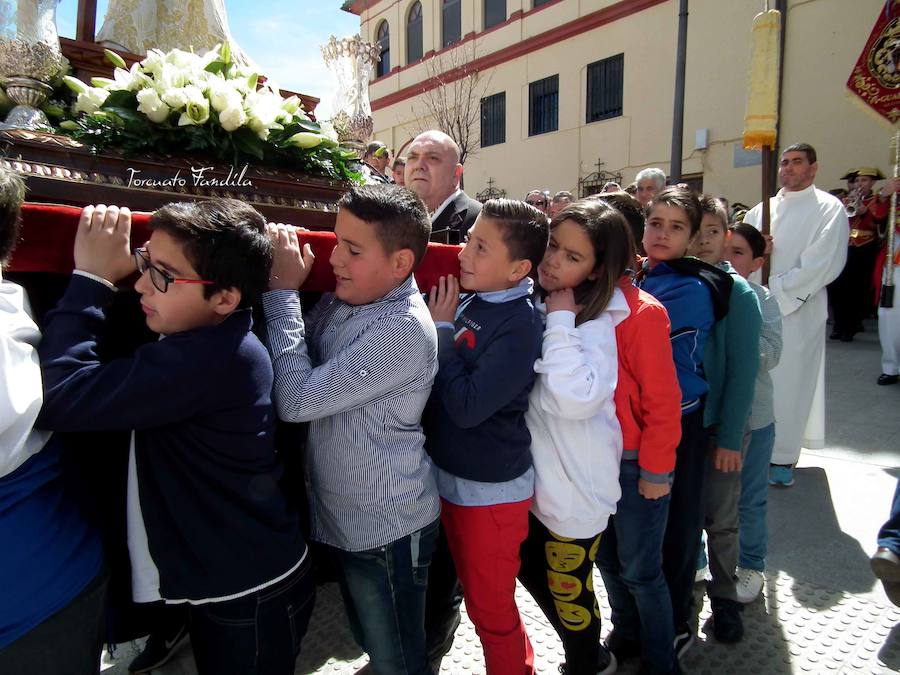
point(613, 244)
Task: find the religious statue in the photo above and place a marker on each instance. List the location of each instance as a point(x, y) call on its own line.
point(139, 25)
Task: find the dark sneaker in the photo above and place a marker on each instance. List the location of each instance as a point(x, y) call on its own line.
point(606, 663)
point(886, 566)
point(885, 379)
point(683, 642)
point(622, 648)
point(159, 650)
point(728, 627)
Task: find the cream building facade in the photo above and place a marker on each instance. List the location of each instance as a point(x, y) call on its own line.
point(614, 62)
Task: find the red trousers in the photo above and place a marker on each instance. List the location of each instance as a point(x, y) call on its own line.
point(484, 542)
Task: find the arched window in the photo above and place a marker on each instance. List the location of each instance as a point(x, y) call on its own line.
point(494, 12)
point(414, 33)
point(384, 49)
point(451, 22)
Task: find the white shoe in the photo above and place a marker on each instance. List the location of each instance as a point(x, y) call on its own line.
point(749, 584)
point(701, 574)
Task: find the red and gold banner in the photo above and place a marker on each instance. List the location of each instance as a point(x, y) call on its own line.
point(875, 79)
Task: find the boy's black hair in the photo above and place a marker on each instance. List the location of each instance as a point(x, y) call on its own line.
point(753, 236)
point(524, 228)
point(802, 147)
point(399, 216)
point(225, 241)
point(681, 198)
point(12, 194)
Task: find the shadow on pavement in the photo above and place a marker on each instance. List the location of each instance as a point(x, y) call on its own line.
point(806, 540)
point(889, 654)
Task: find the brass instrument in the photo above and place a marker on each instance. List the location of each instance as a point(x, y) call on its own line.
point(854, 200)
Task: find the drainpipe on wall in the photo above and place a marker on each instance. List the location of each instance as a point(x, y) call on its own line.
point(678, 112)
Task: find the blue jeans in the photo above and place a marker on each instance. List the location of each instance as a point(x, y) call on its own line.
point(889, 535)
point(754, 530)
point(384, 595)
point(630, 561)
point(257, 634)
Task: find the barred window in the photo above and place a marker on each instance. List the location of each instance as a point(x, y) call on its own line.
point(494, 12)
point(414, 33)
point(605, 84)
point(384, 49)
point(543, 105)
point(451, 22)
point(493, 119)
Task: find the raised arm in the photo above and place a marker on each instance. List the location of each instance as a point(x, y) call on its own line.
point(391, 356)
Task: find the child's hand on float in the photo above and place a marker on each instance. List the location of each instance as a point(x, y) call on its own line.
point(444, 299)
point(103, 242)
point(291, 263)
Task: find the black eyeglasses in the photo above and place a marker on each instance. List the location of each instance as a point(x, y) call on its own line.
point(538, 203)
point(158, 278)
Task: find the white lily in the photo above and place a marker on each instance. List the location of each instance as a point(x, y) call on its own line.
point(305, 139)
point(90, 100)
point(152, 105)
point(233, 118)
point(196, 111)
point(223, 95)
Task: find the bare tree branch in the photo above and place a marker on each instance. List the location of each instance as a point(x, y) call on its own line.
point(451, 97)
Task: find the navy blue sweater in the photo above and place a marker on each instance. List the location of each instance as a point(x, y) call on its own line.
point(475, 420)
point(199, 402)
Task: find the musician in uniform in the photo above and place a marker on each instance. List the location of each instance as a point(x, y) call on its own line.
point(852, 294)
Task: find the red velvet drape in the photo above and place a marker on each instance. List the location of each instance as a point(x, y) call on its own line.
point(48, 235)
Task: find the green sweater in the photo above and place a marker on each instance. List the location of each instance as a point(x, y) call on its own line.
point(730, 362)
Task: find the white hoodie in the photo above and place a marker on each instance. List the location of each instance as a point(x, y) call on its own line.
point(576, 440)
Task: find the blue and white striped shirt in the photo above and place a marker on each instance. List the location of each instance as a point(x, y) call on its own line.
point(362, 385)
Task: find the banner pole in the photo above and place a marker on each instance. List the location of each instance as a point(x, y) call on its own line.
point(887, 285)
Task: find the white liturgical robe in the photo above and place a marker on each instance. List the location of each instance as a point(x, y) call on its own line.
point(889, 323)
point(810, 233)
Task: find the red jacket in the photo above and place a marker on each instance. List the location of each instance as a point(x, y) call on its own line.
point(648, 399)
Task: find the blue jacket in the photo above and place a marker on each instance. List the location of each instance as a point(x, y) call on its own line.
point(475, 420)
point(695, 295)
point(199, 403)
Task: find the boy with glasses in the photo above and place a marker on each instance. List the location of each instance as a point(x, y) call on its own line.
point(208, 525)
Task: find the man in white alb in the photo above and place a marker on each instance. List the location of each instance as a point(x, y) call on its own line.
point(810, 232)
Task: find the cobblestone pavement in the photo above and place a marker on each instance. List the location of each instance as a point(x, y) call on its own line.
point(822, 611)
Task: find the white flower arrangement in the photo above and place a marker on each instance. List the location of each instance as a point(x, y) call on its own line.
point(175, 101)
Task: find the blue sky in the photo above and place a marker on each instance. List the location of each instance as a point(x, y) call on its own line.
point(284, 39)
